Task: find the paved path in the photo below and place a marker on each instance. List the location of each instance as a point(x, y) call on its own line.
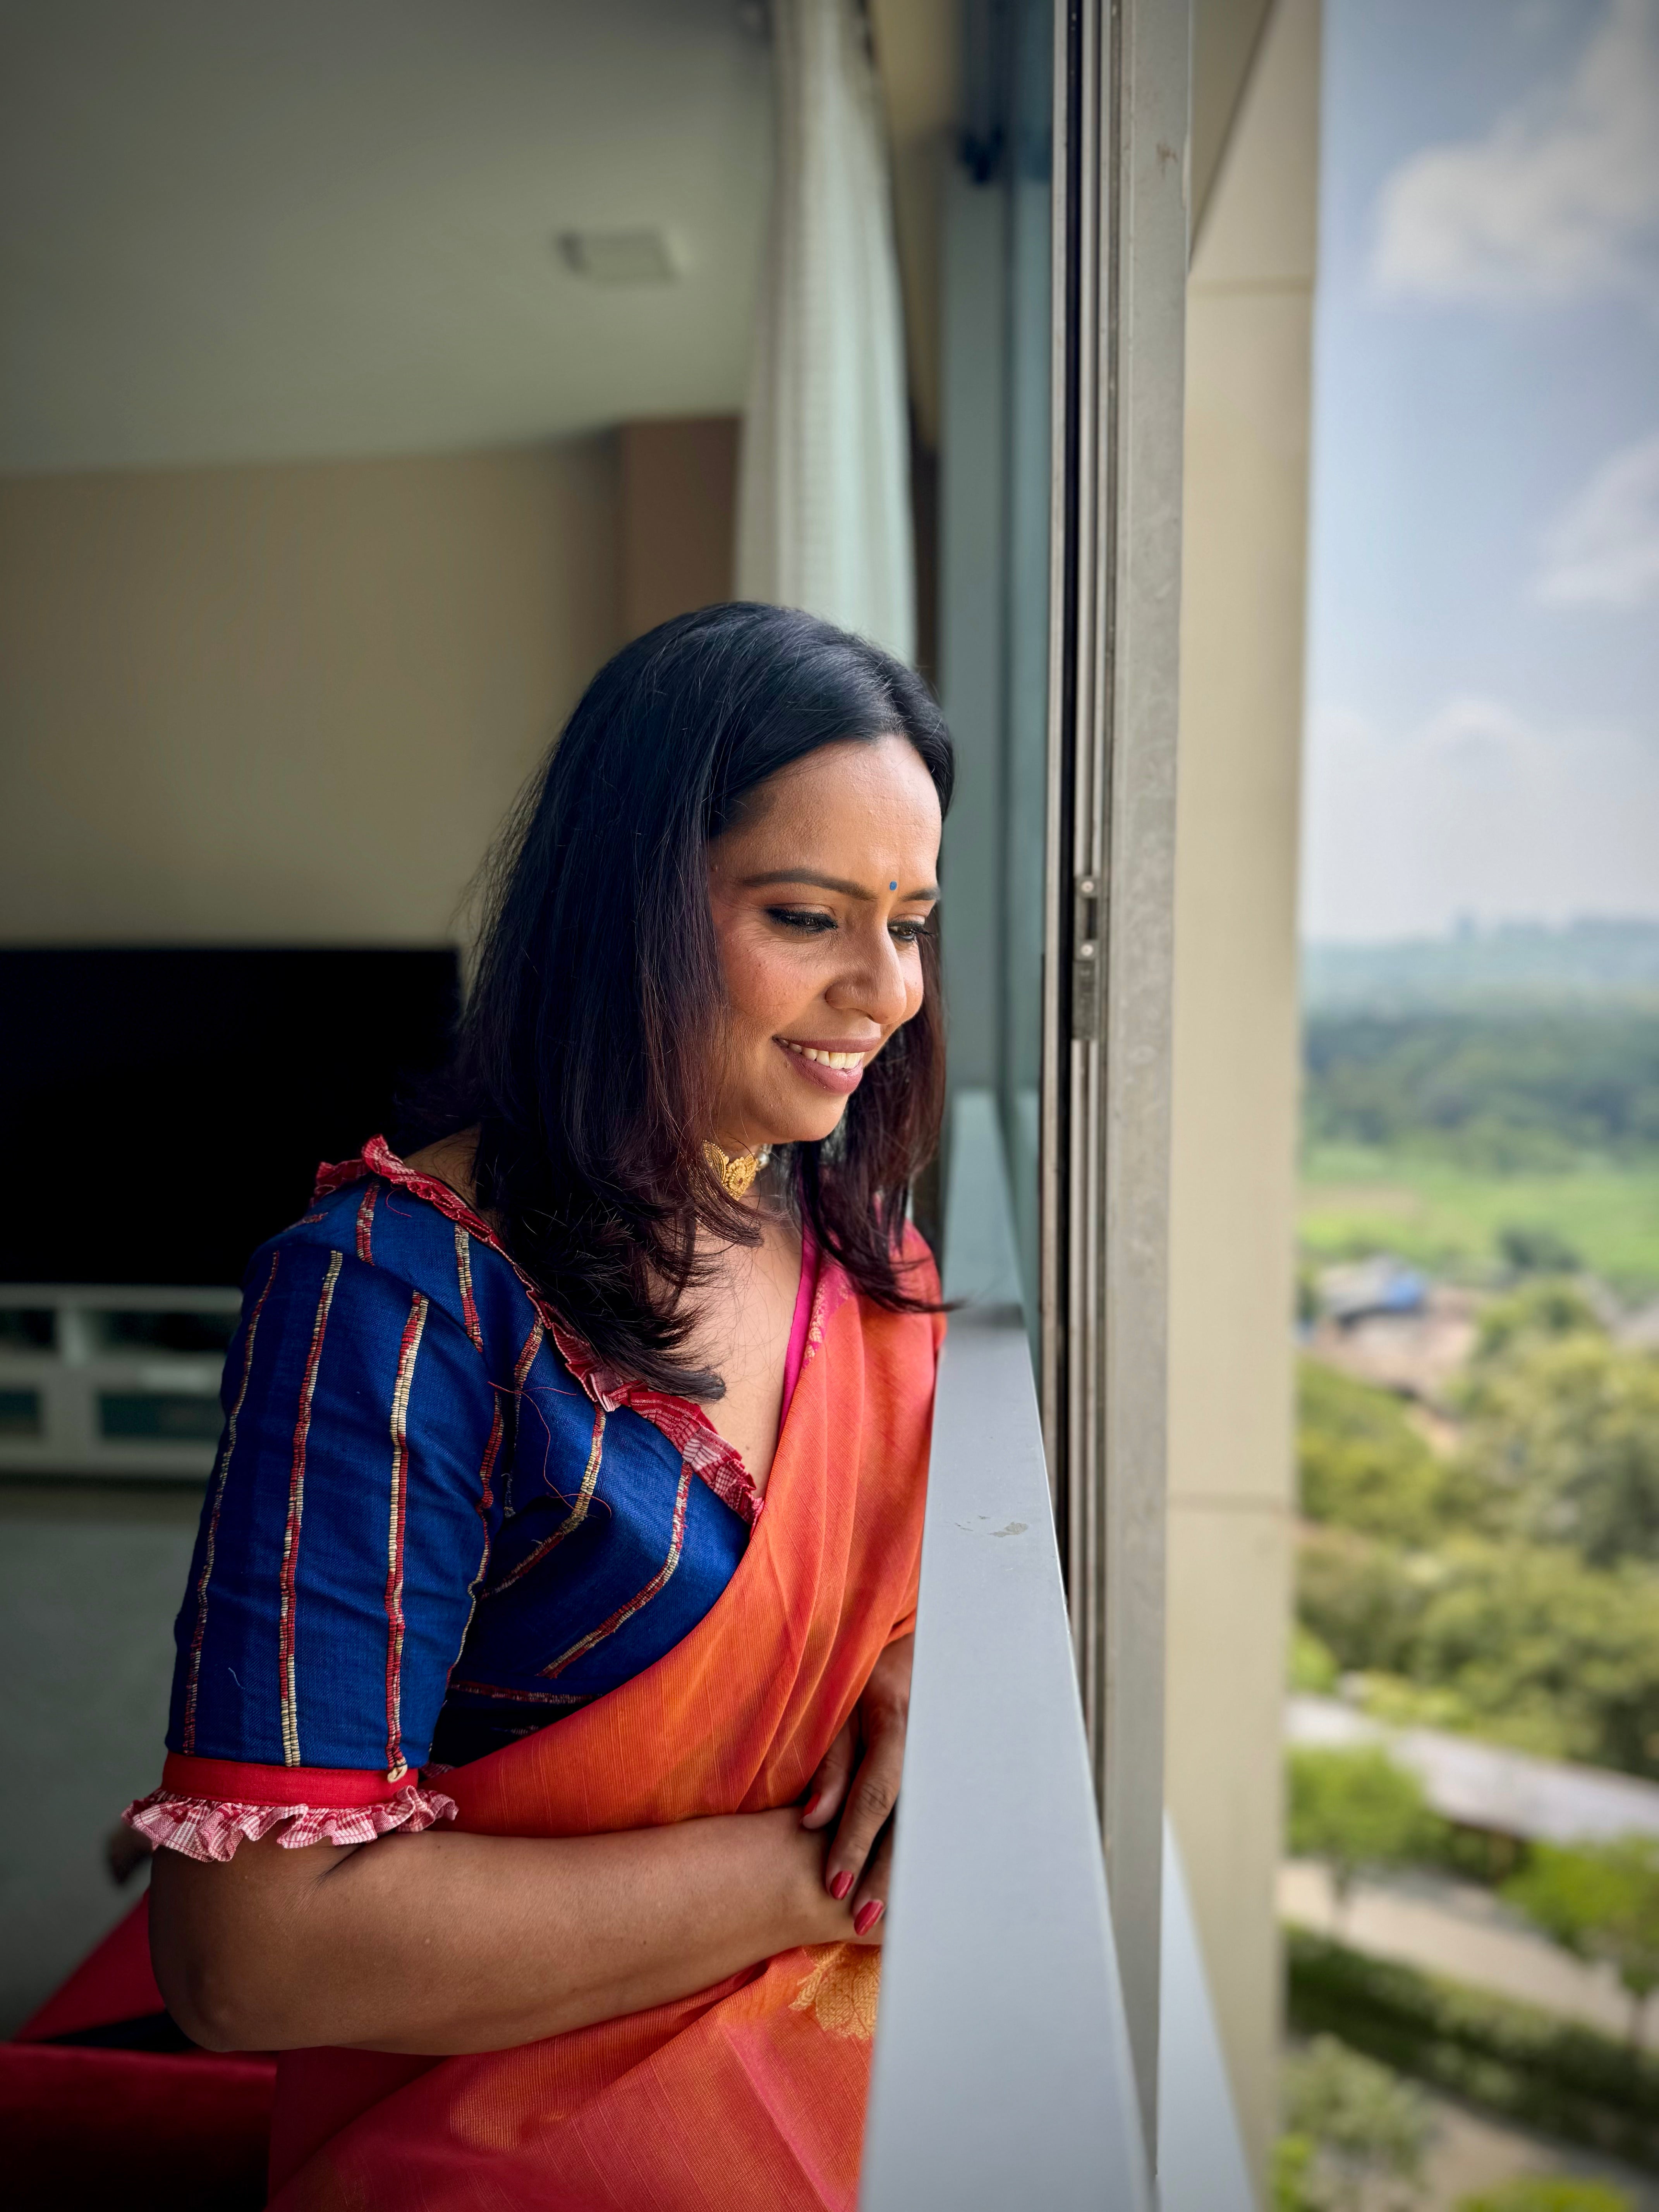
point(1485, 1786)
point(1463, 1932)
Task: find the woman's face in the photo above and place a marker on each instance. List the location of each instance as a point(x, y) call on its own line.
point(820, 897)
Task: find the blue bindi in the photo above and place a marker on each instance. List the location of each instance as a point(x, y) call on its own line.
point(892, 887)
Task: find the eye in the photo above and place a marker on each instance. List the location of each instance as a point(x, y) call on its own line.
point(810, 921)
point(908, 932)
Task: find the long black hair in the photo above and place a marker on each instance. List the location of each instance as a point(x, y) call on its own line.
point(583, 1054)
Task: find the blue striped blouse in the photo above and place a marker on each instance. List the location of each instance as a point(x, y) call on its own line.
point(433, 1524)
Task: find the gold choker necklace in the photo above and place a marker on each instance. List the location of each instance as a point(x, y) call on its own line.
point(735, 1175)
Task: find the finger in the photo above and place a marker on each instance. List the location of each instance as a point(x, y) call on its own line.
point(824, 1799)
point(869, 1900)
point(870, 1800)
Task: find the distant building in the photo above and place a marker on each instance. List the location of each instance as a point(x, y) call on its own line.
point(1378, 1285)
point(1416, 1345)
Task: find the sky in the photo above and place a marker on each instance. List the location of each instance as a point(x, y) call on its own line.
point(1483, 669)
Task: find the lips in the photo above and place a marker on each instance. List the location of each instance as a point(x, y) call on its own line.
point(832, 1067)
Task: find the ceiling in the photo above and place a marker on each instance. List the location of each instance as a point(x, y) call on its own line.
point(233, 231)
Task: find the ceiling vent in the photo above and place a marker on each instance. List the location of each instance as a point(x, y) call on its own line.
point(619, 257)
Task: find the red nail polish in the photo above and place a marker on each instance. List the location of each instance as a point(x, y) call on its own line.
point(866, 1917)
point(811, 1806)
point(840, 1886)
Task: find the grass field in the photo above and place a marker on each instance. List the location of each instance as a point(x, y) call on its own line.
point(1449, 1220)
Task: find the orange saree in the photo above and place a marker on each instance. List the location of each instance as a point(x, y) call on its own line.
point(749, 2095)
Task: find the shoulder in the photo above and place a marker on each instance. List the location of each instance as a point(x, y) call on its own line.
point(415, 1229)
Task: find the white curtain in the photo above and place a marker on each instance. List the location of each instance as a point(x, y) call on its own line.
point(823, 494)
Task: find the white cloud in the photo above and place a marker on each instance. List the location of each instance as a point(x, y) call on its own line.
point(1559, 200)
point(1475, 812)
point(1604, 551)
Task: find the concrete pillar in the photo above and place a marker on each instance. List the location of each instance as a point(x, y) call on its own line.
point(1249, 342)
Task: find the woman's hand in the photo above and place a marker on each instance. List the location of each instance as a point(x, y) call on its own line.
point(860, 1771)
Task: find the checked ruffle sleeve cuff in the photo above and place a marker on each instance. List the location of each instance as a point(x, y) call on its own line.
point(206, 1807)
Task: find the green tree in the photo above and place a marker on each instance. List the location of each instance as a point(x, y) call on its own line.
point(1360, 1462)
point(1313, 1666)
point(1353, 1808)
point(1547, 2192)
point(1528, 1085)
point(1540, 1650)
point(1535, 1248)
point(1522, 1643)
point(1536, 1313)
point(1564, 1428)
point(1293, 2174)
point(1363, 1599)
point(1355, 2133)
point(1598, 1900)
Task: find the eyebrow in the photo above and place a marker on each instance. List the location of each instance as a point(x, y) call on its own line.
point(827, 883)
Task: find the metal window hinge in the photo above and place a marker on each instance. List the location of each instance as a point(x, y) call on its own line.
point(1085, 958)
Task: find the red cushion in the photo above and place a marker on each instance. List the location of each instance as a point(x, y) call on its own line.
point(133, 2129)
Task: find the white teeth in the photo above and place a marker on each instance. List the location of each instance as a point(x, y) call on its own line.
point(842, 1059)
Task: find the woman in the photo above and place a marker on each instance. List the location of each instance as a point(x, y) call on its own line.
point(564, 1533)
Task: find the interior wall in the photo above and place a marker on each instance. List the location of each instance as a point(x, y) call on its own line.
point(286, 704)
point(90, 1578)
point(1249, 347)
point(678, 517)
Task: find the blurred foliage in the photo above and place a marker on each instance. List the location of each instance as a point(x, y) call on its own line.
point(1547, 2192)
point(1292, 2174)
point(1356, 1808)
point(1522, 1643)
point(1499, 1091)
point(1522, 2063)
point(1361, 1463)
point(1538, 1313)
point(1313, 1670)
point(1562, 1428)
point(1512, 1590)
point(1363, 1599)
point(1355, 2133)
point(1535, 1248)
point(1598, 1900)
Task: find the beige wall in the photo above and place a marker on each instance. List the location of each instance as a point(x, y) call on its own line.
point(1234, 1133)
point(679, 517)
point(289, 702)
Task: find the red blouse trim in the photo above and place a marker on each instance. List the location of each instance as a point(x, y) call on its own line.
point(251, 1785)
point(682, 1420)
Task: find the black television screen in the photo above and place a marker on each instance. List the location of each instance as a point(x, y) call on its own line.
point(163, 1112)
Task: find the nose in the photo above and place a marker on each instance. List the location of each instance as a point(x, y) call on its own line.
point(872, 982)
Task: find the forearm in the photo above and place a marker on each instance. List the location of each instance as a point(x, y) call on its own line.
point(443, 1942)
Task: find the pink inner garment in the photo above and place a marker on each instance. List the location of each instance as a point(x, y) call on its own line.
point(795, 1358)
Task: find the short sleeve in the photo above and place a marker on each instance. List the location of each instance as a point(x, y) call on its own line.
point(344, 1528)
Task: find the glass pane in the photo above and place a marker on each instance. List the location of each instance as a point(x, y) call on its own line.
point(27, 1329)
point(197, 1332)
point(157, 1417)
point(1031, 141)
point(19, 1413)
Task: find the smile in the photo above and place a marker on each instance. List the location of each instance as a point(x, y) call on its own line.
point(828, 1067)
point(821, 1059)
